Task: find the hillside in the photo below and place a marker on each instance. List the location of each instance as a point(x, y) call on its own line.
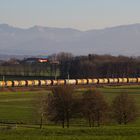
point(37, 40)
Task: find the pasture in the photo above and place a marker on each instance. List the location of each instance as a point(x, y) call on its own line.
point(18, 110)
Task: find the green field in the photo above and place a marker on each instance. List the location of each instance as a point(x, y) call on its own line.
point(76, 133)
point(18, 109)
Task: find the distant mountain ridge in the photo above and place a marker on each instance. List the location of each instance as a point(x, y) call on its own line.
point(38, 40)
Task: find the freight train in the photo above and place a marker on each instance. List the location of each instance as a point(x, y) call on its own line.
point(95, 81)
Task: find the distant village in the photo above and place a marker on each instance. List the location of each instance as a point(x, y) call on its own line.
point(29, 60)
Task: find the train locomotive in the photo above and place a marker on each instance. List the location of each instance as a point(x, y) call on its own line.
point(95, 81)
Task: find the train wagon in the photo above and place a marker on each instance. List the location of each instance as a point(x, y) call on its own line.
point(103, 81)
point(9, 83)
point(42, 82)
point(89, 81)
point(92, 81)
point(60, 82)
point(81, 81)
point(70, 82)
point(138, 80)
point(113, 80)
point(100, 81)
point(120, 80)
point(116, 80)
point(50, 82)
point(132, 80)
point(15, 83)
point(36, 82)
point(95, 81)
point(22, 83)
point(124, 80)
point(2, 83)
point(30, 83)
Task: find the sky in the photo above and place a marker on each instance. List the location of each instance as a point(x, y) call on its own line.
point(78, 14)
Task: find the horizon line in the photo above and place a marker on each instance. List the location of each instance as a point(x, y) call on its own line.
point(82, 30)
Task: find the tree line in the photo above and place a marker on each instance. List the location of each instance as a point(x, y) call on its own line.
point(29, 70)
point(70, 66)
point(100, 66)
point(63, 105)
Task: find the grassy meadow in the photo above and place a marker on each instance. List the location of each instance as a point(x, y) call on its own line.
point(19, 110)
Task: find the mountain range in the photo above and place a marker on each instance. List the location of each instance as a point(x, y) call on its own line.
point(38, 40)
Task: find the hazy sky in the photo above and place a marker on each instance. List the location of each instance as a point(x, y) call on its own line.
point(80, 14)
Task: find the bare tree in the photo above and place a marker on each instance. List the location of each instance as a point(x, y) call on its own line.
point(94, 107)
point(124, 108)
point(61, 105)
point(41, 104)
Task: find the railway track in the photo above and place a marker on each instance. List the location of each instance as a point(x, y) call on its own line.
point(47, 88)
